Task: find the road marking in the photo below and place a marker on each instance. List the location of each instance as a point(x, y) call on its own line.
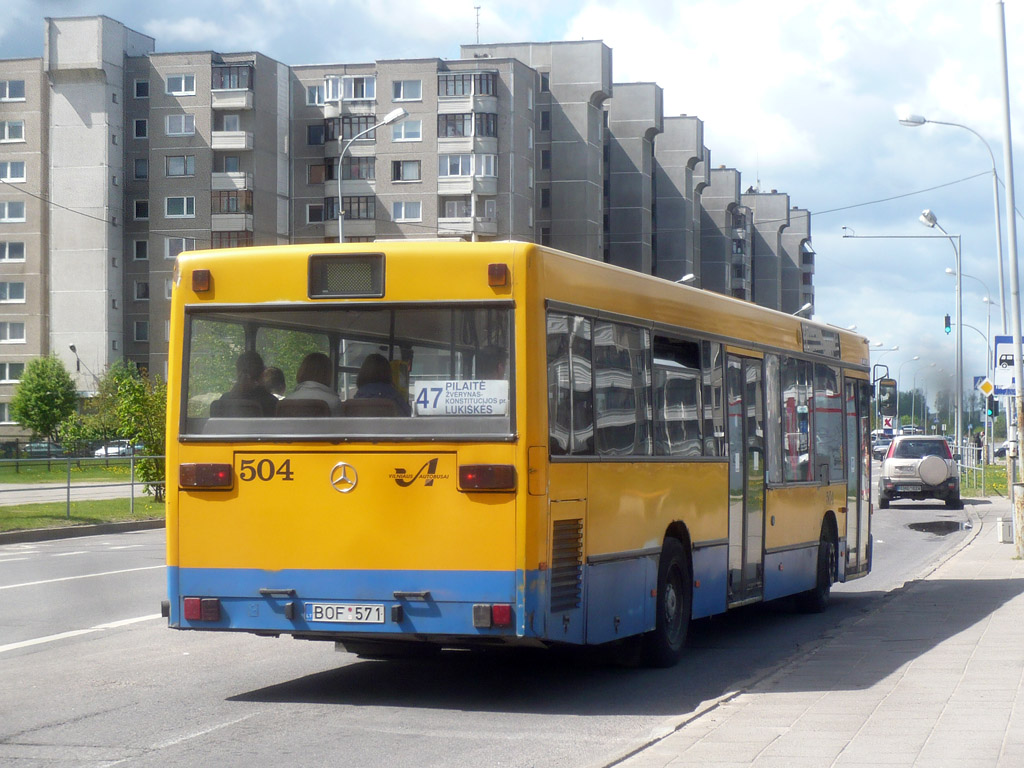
point(126, 546)
point(68, 554)
point(83, 576)
point(76, 633)
point(13, 559)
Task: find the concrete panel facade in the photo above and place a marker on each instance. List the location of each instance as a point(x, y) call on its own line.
point(770, 212)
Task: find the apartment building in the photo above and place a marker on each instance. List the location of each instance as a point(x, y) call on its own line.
point(115, 158)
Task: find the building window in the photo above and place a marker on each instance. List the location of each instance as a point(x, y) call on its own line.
point(407, 90)
point(405, 170)
point(180, 125)
point(454, 165)
point(487, 165)
point(12, 293)
point(484, 83)
point(407, 130)
point(545, 197)
point(141, 330)
point(232, 77)
point(316, 173)
point(180, 207)
point(359, 88)
point(465, 84)
point(180, 165)
point(545, 120)
point(314, 213)
point(142, 89)
point(314, 95)
point(457, 208)
point(12, 171)
point(5, 414)
point(12, 90)
point(12, 333)
point(487, 125)
point(235, 201)
point(175, 245)
point(231, 123)
point(406, 211)
point(11, 372)
point(545, 235)
point(168, 290)
point(141, 290)
point(12, 211)
point(529, 99)
point(12, 130)
point(358, 168)
point(181, 85)
point(352, 126)
point(545, 159)
point(545, 82)
point(141, 168)
point(12, 251)
point(141, 250)
point(490, 208)
point(231, 240)
point(315, 134)
point(454, 126)
point(231, 164)
point(141, 129)
point(737, 247)
point(141, 210)
point(529, 177)
point(359, 207)
point(529, 138)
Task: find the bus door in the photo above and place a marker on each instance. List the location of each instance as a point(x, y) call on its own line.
point(857, 396)
point(744, 377)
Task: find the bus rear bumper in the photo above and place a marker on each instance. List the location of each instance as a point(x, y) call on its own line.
point(334, 604)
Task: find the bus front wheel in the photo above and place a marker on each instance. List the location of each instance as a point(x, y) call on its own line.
point(663, 647)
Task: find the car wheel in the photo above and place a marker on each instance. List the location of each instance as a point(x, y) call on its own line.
point(663, 647)
point(883, 503)
point(955, 502)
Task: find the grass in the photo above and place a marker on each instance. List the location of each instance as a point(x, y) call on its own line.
point(56, 470)
point(995, 482)
point(54, 514)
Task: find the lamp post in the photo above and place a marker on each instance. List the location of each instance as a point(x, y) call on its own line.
point(899, 370)
point(804, 308)
point(928, 219)
point(395, 114)
point(915, 121)
point(79, 362)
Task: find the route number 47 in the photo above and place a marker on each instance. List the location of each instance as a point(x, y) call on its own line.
point(264, 469)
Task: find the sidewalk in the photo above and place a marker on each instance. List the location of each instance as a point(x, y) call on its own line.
point(934, 677)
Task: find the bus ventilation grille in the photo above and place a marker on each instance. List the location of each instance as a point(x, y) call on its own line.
point(566, 564)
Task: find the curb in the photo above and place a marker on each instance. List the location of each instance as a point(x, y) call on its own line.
point(47, 534)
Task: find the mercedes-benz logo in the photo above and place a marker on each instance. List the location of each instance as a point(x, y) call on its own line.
point(344, 477)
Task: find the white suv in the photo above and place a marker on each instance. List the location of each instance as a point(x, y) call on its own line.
point(919, 467)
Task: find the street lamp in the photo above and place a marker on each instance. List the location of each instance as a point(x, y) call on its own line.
point(396, 114)
point(928, 219)
point(804, 308)
point(78, 367)
point(988, 327)
point(899, 369)
point(915, 121)
point(686, 279)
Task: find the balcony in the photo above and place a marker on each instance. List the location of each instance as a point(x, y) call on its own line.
point(467, 225)
point(353, 228)
point(230, 182)
point(464, 185)
point(234, 99)
point(234, 140)
point(459, 145)
point(231, 222)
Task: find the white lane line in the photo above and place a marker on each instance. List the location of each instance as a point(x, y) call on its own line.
point(68, 554)
point(12, 559)
point(76, 633)
point(126, 546)
point(83, 576)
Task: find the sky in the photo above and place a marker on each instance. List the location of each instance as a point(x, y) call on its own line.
point(801, 96)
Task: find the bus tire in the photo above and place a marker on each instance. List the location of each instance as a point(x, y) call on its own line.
point(663, 647)
point(817, 599)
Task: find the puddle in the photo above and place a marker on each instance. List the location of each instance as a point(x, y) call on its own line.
point(938, 527)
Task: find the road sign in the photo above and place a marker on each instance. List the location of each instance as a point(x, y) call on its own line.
point(887, 422)
point(1004, 367)
point(986, 387)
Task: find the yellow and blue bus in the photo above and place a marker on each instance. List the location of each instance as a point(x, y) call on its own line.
point(553, 451)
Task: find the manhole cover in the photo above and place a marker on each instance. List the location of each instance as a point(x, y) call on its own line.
point(938, 527)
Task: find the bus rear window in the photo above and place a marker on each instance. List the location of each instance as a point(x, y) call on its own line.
point(349, 372)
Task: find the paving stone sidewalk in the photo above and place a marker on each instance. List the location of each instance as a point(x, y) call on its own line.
point(932, 678)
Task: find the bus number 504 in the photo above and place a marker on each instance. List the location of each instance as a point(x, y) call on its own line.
point(264, 469)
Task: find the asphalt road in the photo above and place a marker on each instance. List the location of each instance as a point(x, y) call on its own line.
point(91, 676)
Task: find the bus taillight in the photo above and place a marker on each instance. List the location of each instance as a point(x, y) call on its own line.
point(202, 609)
point(487, 477)
point(205, 475)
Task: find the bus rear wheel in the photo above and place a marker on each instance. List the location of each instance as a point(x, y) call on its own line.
point(663, 647)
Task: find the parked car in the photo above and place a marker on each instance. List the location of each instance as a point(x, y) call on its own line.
point(920, 467)
point(42, 449)
point(114, 448)
point(880, 448)
point(1000, 451)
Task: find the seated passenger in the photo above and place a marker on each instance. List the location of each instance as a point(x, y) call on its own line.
point(374, 381)
point(273, 380)
point(314, 379)
point(249, 369)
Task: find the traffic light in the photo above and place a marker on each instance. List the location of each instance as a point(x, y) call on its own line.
point(992, 407)
point(949, 325)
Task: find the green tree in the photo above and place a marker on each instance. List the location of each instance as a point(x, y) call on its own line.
point(97, 421)
point(142, 417)
point(45, 397)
